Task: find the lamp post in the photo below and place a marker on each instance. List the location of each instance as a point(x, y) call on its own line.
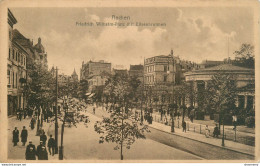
point(62, 132)
point(223, 134)
point(56, 112)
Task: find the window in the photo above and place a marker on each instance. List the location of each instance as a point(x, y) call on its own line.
point(19, 57)
point(10, 35)
point(165, 68)
point(16, 56)
point(16, 80)
point(8, 75)
point(13, 53)
point(13, 80)
point(24, 61)
point(165, 78)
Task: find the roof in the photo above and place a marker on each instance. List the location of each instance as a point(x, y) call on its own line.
point(211, 62)
point(74, 72)
point(136, 67)
point(226, 67)
point(11, 19)
point(39, 47)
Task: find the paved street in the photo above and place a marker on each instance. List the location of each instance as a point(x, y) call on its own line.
point(83, 143)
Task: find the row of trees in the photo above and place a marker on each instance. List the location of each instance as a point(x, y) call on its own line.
point(40, 89)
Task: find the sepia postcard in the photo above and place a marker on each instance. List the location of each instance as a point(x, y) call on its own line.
point(129, 81)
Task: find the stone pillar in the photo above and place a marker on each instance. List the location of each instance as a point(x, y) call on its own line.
point(206, 84)
point(245, 105)
point(195, 85)
point(237, 101)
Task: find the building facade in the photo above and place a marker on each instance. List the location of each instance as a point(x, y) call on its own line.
point(137, 71)
point(245, 83)
point(16, 70)
point(94, 68)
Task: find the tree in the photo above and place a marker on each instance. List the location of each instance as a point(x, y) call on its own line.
point(222, 94)
point(122, 126)
point(245, 56)
point(41, 87)
point(82, 89)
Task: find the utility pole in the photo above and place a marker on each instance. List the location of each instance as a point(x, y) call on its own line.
point(56, 112)
point(142, 118)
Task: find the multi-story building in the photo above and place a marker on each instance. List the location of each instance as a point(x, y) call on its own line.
point(96, 73)
point(94, 68)
point(136, 71)
point(162, 73)
point(16, 70)
point(42, 54)
point(36, 52)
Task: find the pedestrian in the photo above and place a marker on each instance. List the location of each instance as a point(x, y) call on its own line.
point(20, 114)
point(51, 145)
point(24, 135)
point(94, 110)
point(24, 113)
point(191, 118)
point(43, 138)
point(183, 126)
point(216, 132)
point(42, 152)
point(30, 153)
point(15, 136)
point(207, 131)
point(32, 123)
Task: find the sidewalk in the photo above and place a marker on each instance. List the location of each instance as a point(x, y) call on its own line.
point(246, 138)
point(231, 145)
point(18, 152)
point(201, 138)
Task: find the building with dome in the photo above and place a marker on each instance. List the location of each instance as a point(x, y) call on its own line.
point(245, 77)
point(42, 55)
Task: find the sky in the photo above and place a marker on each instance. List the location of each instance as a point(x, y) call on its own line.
point(194, 34)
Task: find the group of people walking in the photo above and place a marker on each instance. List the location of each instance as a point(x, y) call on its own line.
point(40, 151)
point(24, 135)
point(31, 151)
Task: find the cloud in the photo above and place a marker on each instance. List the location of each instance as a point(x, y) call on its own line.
point(94, 18)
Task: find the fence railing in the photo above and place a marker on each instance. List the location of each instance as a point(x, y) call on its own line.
point(229, 134)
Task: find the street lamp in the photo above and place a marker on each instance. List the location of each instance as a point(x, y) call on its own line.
point(65, 107)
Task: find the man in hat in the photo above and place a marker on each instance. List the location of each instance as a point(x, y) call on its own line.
point(24, 135)
point(43, 138)
point(15, 136)
point(51, 145)
point(42, 152)
point(30, 153)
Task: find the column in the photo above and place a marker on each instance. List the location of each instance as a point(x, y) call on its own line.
point(245, 105)
point(237, 102)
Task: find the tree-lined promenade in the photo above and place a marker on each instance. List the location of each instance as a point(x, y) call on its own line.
point(131, 105)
